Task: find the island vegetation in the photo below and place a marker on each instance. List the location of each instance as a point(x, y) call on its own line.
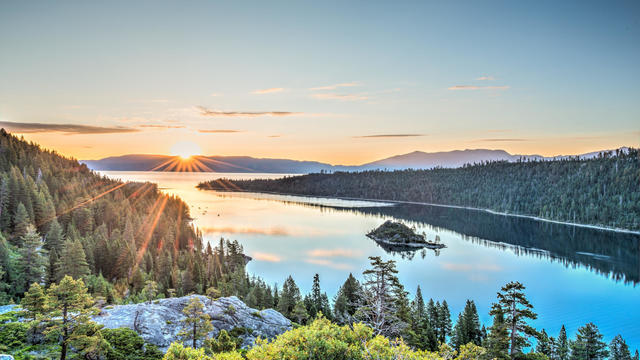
point(399, 235)
point(601, 191)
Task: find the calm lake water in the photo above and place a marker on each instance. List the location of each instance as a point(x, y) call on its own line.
point(573, 275)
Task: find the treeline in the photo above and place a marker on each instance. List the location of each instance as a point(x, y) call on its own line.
point(381, 302)
point(599, 191)
point(366, 315)
point(59, 218)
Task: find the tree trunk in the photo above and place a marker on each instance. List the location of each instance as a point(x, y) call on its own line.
point(194, 335)
point(65, 334)
point(513, 329)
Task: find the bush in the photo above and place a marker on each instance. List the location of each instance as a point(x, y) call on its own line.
point(230, 310)
point(323, 339)
point(127, 344)
point(9, 316)
point(178, 351)
point(531, 356)
point(13, 336)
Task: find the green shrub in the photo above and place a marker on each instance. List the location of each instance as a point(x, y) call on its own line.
point(323, 339)
point(13, 335)
point(230, 310)
point(178, 351)
point(127, 344)
point(10, 316)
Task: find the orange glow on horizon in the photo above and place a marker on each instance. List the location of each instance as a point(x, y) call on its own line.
point(347, 152)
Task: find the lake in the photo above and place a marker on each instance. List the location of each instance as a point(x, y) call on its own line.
point(573, 275)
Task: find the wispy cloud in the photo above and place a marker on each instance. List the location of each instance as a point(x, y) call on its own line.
point(389, 135)
point(341, 97)
point(160, 126)
point(217, 113)
point(486, 78)
point(503, 140)
point(474, 87)
point(215, 94)
point(218, 131)
point(267, 91)
point(70, 129)
point(261, 256)
point(335, 86)
point(346, 253)
point(274, 136)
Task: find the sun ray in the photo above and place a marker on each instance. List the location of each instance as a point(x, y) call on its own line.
point(83, 203)
point(147, 238)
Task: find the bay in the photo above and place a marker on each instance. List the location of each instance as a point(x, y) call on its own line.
point(573, 275)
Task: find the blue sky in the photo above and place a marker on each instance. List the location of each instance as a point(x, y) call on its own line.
point(314, 80)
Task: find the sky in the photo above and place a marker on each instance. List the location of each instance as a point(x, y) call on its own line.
point(343, 82)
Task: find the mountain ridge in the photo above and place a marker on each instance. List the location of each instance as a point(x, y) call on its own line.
point(249, 164)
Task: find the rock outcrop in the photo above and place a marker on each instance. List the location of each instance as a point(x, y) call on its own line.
point(160, 321)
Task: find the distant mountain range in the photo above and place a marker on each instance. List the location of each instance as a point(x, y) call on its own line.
point(414, 160)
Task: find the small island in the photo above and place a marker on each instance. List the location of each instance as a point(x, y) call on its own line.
point(400, 236)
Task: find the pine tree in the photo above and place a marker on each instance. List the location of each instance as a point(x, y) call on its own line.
point(444, 322)
point(562, 347)
point(403, 307)
point(347, 300)
point(419, 322)
point(544, 344)
point(21, 224)
point(516, 309)
point(223, 343)
point(497, 340)
point(380, 309)
point(619, 350)
point(55, 237)
point(289, 297)
point(6, 270)
point(636, 356)
point(299, 313)
point(588, 344)
point(31, 262)
point(317, 301)
point(52, 268)
point(150, 290)
point(196, 324)
point(5, 216)
point(72, 261)
point(467, 328)
point(458, 335)
point(35, 301)
point(71, 308)
point(432, 312)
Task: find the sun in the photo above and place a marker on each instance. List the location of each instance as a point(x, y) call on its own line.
point(185, 149)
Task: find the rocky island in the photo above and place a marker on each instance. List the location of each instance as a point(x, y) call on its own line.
point(401, 237)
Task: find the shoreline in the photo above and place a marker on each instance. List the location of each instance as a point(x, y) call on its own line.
point(531, 217)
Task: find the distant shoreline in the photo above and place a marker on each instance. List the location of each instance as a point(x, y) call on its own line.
point(536, 218)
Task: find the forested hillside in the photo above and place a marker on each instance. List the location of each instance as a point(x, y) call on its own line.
point(58, 218)
point(604, 190)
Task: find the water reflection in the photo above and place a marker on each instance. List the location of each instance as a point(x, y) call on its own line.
point(568, 271)
point(612, 254)
point(605, 252)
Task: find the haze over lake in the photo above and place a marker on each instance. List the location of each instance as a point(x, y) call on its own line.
point(573, 275)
